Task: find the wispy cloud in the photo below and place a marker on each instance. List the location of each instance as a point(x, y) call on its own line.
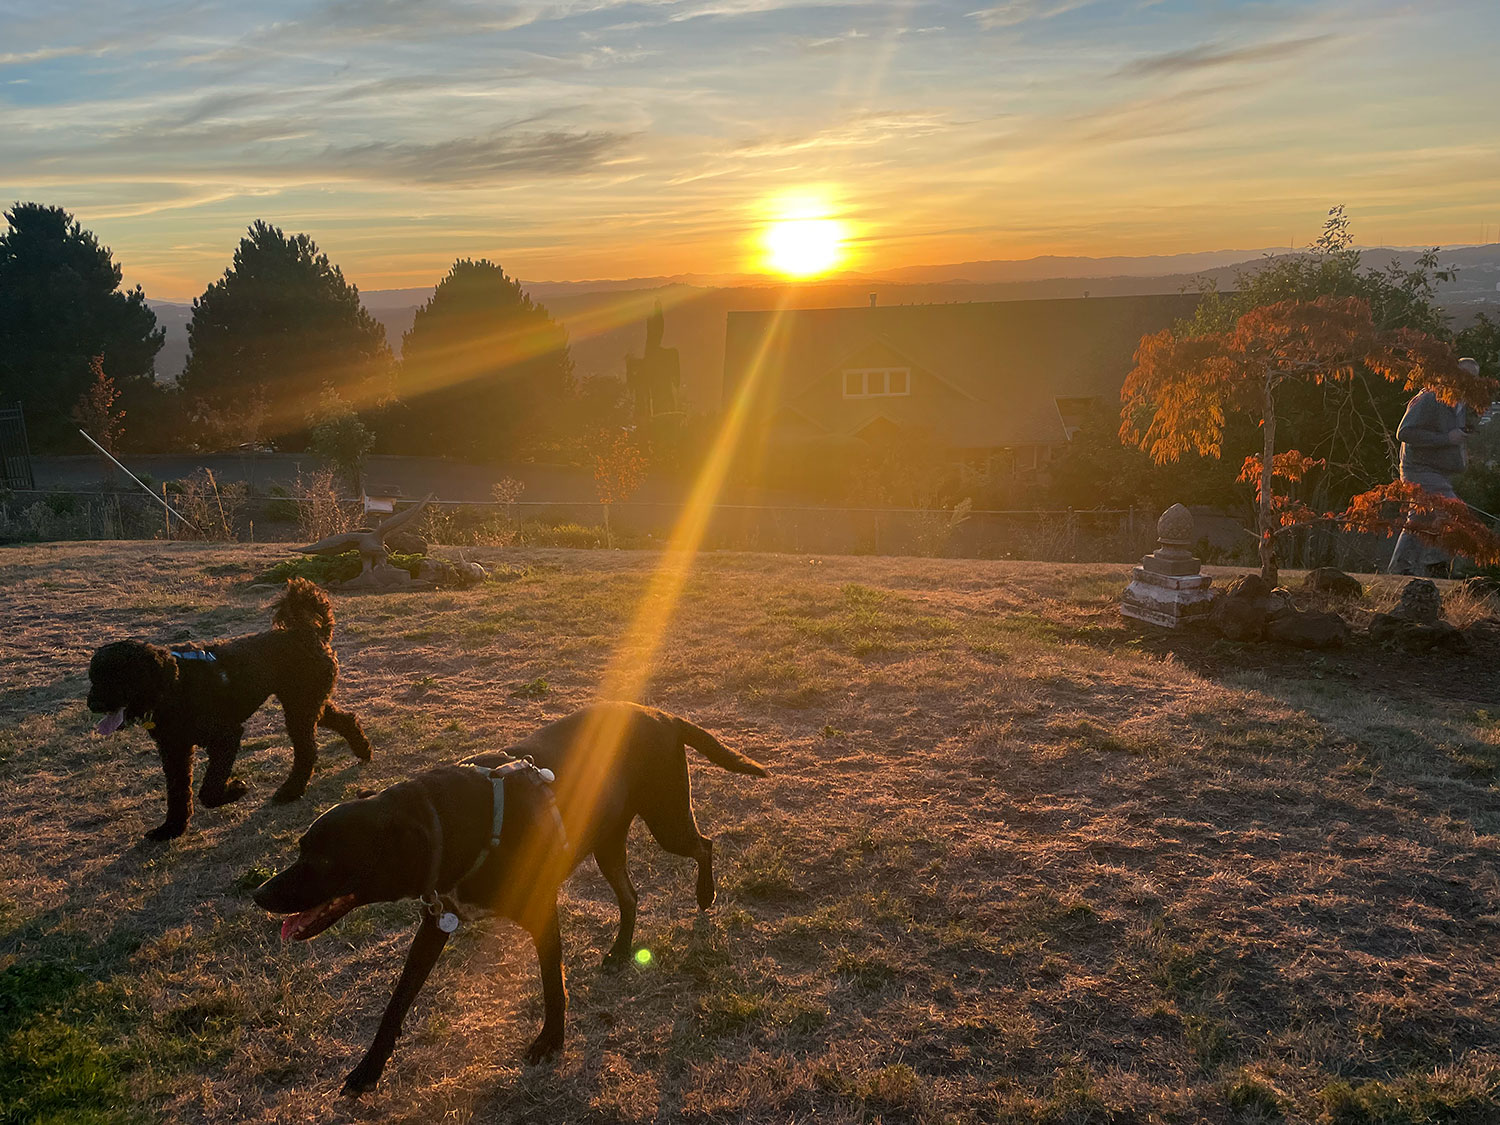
point(471, 161)
point(1212, 56)
point(1013, 13)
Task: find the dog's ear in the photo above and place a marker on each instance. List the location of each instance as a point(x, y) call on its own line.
point(411, 847)
point(154, 674)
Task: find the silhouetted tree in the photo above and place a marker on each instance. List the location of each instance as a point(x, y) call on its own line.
point(60, 306)
point(266, 338)
point(485, 370)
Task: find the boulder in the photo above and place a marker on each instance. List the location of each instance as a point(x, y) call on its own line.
point(1279, 604)
point(1332, 580)
point(1239, 613)
point(1308, 630)
point(1420, 603)
point(448, 574)
point(1413, 636)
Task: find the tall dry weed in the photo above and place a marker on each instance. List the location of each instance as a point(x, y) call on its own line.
point(320, 512)
point(211, 507)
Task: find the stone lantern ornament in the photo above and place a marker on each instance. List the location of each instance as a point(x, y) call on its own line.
point(1169, 588)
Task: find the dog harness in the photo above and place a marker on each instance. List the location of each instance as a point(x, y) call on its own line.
point(206, 658)
point(447, 918)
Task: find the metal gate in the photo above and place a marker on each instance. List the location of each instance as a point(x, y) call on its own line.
point(15, 450)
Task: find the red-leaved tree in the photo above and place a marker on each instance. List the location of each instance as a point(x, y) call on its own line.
point(1176, 399)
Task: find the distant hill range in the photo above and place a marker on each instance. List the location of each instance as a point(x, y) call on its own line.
point(606, 319)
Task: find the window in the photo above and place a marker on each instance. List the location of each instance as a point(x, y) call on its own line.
point(877, 382)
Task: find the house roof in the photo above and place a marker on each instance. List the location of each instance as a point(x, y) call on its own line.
point(1011, 360)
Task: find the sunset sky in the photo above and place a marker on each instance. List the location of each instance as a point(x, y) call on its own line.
point(599, 138)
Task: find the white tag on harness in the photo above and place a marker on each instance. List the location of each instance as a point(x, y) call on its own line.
point(447, 921)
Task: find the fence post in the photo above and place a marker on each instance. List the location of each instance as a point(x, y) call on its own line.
point(167, 513)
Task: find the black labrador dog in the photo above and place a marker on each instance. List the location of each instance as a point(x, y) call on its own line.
point(456, 834)
point(200, 695)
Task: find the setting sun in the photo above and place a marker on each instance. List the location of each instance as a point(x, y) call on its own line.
point(804, 247)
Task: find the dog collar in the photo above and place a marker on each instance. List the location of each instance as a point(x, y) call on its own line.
point(496, 776)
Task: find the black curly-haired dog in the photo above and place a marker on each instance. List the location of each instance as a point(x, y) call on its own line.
point(201, 694)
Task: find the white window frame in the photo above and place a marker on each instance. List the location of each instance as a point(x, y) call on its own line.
point(868, 377)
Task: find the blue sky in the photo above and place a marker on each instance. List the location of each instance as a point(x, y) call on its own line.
point(600, 138)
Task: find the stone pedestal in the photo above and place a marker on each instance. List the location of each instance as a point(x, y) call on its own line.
point(1167, 589)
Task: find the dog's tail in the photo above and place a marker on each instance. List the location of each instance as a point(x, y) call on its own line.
point(716, 752)
point(304, 606)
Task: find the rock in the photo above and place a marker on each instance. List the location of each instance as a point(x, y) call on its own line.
point(1420, 602)
point(1240, 612)
point(1332, 580)
point(1280, 604)
point(1412, 636)
point(405, 543)
point(1308, 630)
point(448, 574)
point(1486, 628)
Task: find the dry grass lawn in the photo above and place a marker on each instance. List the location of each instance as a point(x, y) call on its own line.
point(1021, 861)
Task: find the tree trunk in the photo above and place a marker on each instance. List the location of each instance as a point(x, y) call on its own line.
point(1267, 463)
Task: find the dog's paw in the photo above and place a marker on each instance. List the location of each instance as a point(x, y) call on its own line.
point(360, 1081)
point(362, 749)
point(544, 1046)
point(167, 831)
point(290, 791)
point(233, 791)
point(615, 960)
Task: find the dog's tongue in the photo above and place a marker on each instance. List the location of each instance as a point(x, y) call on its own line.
point(111, 722)
point(296, 922)
point(310, 923)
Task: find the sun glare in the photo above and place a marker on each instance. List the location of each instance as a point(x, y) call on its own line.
point(804, 247)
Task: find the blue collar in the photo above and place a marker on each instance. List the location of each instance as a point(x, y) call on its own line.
point(194, 654)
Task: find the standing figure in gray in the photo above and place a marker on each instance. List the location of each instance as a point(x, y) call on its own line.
point(1433, 451)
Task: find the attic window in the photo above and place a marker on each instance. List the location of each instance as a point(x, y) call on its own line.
point(877, 382)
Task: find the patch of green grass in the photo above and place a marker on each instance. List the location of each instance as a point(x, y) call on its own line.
point(729, 1013)
point(250, 878)
point(1209, 1040)
point(869, 621)
point(765, 871)
point(1253, 1098)
point(866, 970)
point(64, 1056)
point(532, 689)
point(324, 569)
point(1439, 1098)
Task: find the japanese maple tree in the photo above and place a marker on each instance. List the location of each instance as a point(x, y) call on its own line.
point(1182, 388)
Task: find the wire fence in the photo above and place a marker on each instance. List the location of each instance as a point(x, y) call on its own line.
point(229, 514)
point(223, 514)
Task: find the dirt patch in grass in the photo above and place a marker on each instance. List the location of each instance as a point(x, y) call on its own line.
point(1020, 860)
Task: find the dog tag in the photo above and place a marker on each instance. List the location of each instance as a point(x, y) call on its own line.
point(447, 921)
